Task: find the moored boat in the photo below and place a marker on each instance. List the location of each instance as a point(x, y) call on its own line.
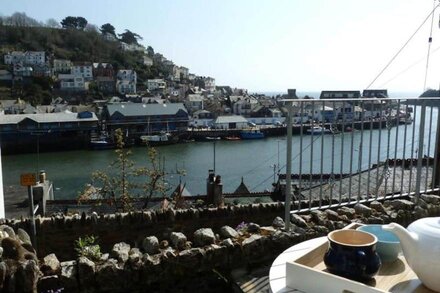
point(164, 138)
point(102, 144)
point(318, 130)
point(251, 134)
point(232, 138)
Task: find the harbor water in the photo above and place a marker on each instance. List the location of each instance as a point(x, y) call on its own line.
point(256, 161)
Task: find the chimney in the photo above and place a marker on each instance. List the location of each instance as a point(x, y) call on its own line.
point(218, 198)
point(210, 187)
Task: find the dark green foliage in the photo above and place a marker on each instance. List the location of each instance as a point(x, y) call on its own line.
point(74, 22)
point(108, 29)
point(129, 37)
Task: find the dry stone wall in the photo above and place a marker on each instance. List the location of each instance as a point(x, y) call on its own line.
point(160, 260)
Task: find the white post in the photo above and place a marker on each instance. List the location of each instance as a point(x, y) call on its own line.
point(2, 200)
point(288, 170)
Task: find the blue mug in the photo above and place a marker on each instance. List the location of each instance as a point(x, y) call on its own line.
point(352, 254)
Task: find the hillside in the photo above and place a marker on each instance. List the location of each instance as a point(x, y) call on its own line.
point(75, 45)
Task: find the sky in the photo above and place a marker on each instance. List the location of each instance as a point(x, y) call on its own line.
point(269, 46)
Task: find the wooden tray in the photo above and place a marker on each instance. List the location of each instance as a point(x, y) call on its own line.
point(308, 273)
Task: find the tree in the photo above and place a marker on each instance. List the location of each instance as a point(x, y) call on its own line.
point(73, 22)
point(81, 23)
point(155, 183)
point(150, 51)
point(107, 28)
point(53, 23)
point(69, 22)
point(129, 37)
point(115, 184)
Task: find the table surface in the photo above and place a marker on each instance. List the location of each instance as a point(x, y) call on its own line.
point(277, 273)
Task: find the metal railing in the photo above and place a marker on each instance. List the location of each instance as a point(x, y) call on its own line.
point(357, 150)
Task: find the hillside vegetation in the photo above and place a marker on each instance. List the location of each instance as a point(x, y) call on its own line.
point(75, 45)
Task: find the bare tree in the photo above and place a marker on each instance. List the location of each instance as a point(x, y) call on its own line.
point(53, 23)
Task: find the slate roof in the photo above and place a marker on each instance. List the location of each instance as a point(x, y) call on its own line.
point(137, 109)
point(45, 118)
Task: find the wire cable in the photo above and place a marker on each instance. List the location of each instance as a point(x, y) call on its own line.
point(403, 47)
point(429, 48)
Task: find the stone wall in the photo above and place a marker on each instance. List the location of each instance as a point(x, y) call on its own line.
point(58, 233)
point(152, 261)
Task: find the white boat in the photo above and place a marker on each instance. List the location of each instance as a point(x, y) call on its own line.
point(163, 138)
point(318, 130)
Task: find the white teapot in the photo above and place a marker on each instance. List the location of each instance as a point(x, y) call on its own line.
point(421, 248)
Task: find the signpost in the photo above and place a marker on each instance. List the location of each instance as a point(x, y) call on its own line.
point(29, 180)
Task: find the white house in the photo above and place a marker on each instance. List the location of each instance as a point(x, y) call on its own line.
point(62, 66)
point(131, 47)
point(26, 58)
point(156, 85)
point(194, 103)
point(147, 61)
point(84, 70)
point(184, 72)
point(230, 122)
point(71, 82)
point(209, 84)
point(243, 105)
point(126, 81)
point(21, 70)
point(320, 113)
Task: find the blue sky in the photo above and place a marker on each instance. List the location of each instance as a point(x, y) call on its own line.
point(273, 45)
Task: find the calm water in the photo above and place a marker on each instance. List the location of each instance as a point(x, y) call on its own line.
point(252, 160)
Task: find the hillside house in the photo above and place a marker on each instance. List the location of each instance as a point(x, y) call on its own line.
point(83, 69)
point(243, 105)
point(147, 61)
point(194, 103)
point(62, 66)
point(126, 81)
point(156, 85)
point(71, 82)
point(104, 77)
point(25, 58)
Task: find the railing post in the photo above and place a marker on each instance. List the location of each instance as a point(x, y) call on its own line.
point(436, 171)
point(420, 150)
point(288, 198)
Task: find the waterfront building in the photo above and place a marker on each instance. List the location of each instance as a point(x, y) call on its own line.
point(375, 93)
point(146, 118)
point(340, 95)
point(201, 118)
point(320, 113)
point(230, 122)
point(51, 131)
